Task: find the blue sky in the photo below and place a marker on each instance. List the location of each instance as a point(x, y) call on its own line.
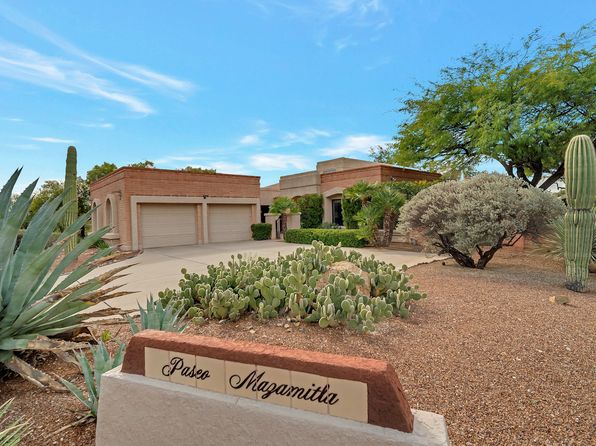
point(262, 87)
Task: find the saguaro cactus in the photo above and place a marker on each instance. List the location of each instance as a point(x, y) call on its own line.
point(580, 178)
point(70, 195)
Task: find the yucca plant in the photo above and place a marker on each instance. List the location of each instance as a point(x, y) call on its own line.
point(13, 433)
point(37, 298)
point(103, 361)
point(156, 317)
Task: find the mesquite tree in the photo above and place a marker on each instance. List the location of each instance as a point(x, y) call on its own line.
point(518, 107)
point(478, 215)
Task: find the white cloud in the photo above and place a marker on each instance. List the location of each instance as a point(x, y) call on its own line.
point(225, 167)
point(13, 119)
point(78, 76)
point(275, 161)
point(97, 125)
point(250, 140)
point(26, 65)
point(343, 43)
point(360, 144)
point(308, 136)
point(51, 139)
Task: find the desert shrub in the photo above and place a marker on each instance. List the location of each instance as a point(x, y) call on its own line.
point(349, 238)
point(480, 214)
point(349, 209)
point(261, 231)
point(103, 361)
point(290, 286)
point(311, 210)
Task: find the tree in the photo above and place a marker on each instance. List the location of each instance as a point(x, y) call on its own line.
point(478, 215)
point(380, 210)
point(143, 164)
point(311, 210)
point(518, 107)
point(50, 189)
point(388, 201)
point(353, 198)
point(198, 170)
point(100, 170)
point(283, 206)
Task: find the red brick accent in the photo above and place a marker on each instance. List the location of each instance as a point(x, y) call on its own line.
point(387, 404)
point(372, 174)
point(130, 181)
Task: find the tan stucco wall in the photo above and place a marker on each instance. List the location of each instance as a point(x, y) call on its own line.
point(300, 184)
point(269, 193)
point(339, 164)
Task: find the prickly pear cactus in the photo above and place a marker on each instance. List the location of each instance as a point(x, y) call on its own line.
point(290, 286)
point(70, 195)
point(580, 179)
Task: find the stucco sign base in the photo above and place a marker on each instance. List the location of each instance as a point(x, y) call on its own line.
point(137, 411)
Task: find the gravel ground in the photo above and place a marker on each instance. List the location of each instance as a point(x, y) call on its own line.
point(486, 349)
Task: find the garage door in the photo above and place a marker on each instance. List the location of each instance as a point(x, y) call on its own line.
point(168, 225)
point(229, 222)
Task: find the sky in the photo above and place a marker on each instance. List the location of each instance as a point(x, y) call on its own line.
point(259, 87)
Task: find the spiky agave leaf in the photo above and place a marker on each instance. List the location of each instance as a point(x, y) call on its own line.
point(156, 317)
point(11, 434)
point(103, 361)
point(37, 298)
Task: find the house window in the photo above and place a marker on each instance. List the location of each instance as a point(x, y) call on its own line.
point(336, 215)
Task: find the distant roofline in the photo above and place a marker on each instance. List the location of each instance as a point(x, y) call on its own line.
point(155, 169)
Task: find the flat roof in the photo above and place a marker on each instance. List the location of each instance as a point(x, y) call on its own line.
point(155, 169)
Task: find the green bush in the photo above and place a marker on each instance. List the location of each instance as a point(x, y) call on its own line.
point(289, 286)
point(261, 231)
point(349, 209)
point(349, 238)
point(311, 210)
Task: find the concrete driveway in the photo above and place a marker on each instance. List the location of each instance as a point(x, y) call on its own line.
point(159, 268)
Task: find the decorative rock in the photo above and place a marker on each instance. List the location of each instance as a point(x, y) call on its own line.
point(560, 300)
point(349, 267)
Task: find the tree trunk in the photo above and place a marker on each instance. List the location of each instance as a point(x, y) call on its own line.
point(461, 258)
point(284, 223)
point(486, 256)
point(554, 177)
point(388, 228)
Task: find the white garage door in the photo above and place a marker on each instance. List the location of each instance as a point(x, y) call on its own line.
point(168, 225)
point(229, 222)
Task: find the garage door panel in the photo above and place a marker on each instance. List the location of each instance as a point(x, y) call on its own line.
point(229, 222)
point(168, 225)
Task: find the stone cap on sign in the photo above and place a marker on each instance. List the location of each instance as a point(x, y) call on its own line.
point(361, 389)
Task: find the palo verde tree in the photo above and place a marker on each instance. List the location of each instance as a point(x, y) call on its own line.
point(516, 106)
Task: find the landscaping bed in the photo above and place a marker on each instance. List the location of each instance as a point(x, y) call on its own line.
point(486, 349)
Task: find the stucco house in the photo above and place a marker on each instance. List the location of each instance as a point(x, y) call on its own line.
point(149, 208)
point(331, 177)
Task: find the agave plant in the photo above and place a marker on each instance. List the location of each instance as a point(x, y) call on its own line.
point(37, 298)
point(12, 434)
point(156, 317)
point(103, 361)
point(551, 244)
